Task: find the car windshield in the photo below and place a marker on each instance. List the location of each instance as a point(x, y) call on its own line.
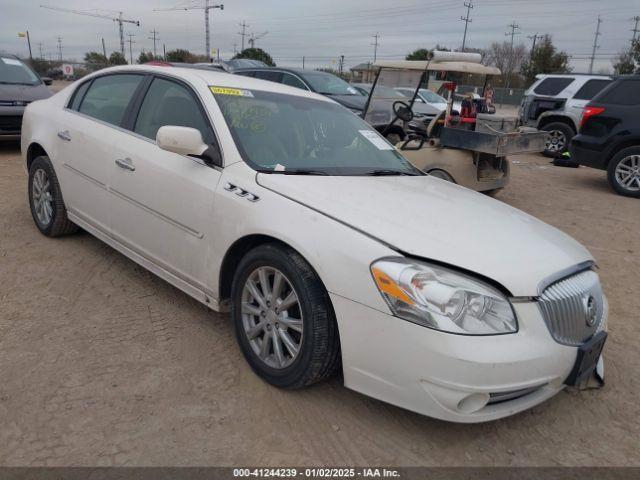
point(388, 92)
point(14, 72)
point(328, 84)
point(287, 134)
point(431, 97)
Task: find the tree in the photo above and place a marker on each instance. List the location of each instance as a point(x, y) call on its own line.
point(508, 60)
point(184, 56)
point(425, 53)
point(419, 54)
point(256, 54)
point(116, 58)
point(95, 61)
point(545, 59)
point(625, 64)
point(147, 57)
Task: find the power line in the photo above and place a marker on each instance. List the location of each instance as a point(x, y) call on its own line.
point(131, 42)
point(533, 37)
point(59, 48)
point(635, 28)
point(243, 33)
point(595, 45)
point(375, 44)
point(154, 37)
point(466, 21)
point(514, 26)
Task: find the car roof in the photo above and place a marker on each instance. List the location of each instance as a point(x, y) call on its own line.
point(8, 55)
point(298, 71)
point(211, 77)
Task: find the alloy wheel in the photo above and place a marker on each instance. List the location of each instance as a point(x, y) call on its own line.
point(41, 197)
point(628, 173)
point(556, 141)
point(272, 317)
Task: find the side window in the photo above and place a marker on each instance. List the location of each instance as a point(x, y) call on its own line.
point(169, 103)
point(269, 75)
point(553, 85)
point(246, 74)
point(108, 97)
point(626, 92)
point(590, 89)
point(293, 81)
point(78, 95)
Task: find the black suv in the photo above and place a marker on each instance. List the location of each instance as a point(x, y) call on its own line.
point(609, 137)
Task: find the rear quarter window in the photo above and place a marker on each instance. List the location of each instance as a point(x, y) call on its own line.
point(625, 92)
point(591, 89)
point(553, 85)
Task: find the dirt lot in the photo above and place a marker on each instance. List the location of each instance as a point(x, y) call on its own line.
point(102, 363)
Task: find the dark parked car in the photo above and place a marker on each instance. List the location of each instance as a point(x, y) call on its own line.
point(609, 137)
point(19, 86)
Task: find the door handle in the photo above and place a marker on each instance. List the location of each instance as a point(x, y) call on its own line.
point(125, 164)
point(64, 135)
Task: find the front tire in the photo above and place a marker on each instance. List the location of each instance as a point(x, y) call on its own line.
point(560, 135)
point(45, 200)
point(284, 321)
point(623, 172)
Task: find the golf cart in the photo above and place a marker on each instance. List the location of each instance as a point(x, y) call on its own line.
point(469, 145)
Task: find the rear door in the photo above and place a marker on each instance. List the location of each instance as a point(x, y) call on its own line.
point(161, 201)
point(88, 129)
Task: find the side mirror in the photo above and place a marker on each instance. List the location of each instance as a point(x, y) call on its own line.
point(182, 140)
point(187, 141)
point(47, 80)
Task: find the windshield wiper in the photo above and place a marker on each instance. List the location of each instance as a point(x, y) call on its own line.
point(299, 171)
point(388, 173)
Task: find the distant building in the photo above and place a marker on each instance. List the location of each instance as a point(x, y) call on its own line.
point(363, 73)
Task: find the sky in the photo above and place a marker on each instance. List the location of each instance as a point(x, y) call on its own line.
point(322, 30)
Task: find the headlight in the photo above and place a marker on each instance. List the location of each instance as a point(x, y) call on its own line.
point(442, 299)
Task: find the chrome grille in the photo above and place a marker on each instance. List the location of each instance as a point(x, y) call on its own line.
point(573, 308)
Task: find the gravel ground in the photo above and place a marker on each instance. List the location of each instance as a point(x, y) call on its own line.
point(102, 363)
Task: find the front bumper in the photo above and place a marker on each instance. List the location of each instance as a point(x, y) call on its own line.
point(451, 377)
point(11, 121)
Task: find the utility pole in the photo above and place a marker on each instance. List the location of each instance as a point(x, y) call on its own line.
point(40, 45)
point(635, 28)
point(164, 52)
point(154, 37)
point(375, 46)
point(235, 47)
point(59, 48)
point(207, 33)
point(29, 43)
point(514, 26)
point(303, 62)
point(243, 33)
point(533, 37)
point(341, 64)
point(131, 42)
point(466, 21)
point(595, 45)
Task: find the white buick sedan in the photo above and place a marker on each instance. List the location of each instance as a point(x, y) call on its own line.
point(327, 247)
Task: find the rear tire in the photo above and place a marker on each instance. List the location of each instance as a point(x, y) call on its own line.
point(289, 347)
point(623, 172)
point(45, 200)
point(560, 135)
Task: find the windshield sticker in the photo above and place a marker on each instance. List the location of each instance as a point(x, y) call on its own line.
point(237, 92)
point(379, 142)
point(11, 61)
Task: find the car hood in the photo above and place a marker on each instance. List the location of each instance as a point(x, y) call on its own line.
point(433, 219)
point(356, 102)
point(23, 93)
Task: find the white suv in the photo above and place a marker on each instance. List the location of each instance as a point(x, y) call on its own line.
point(554, 104)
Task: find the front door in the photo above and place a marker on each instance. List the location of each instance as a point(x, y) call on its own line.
point(162, 202)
